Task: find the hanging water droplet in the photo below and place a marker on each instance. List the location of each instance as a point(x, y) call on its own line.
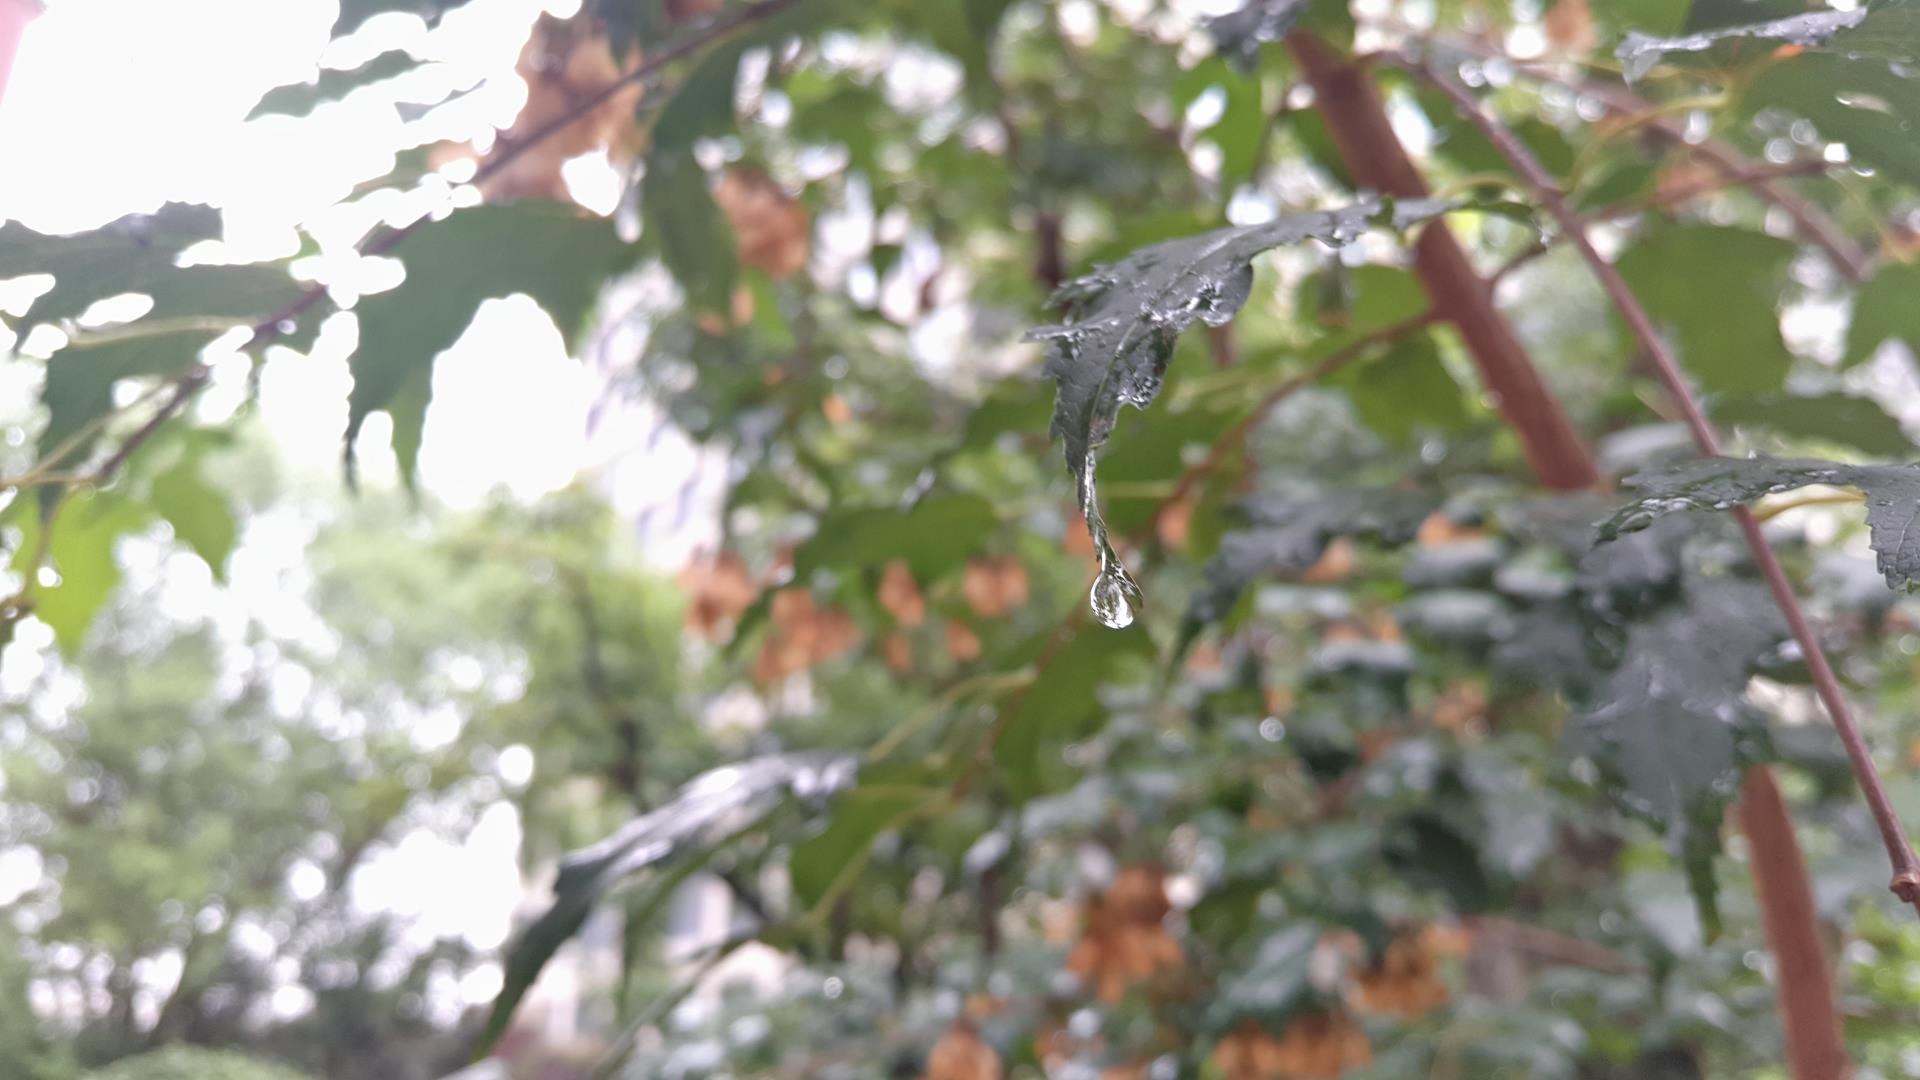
point(1114, 597)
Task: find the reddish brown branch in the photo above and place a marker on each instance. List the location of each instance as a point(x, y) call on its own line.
point(1812, 222)
point(1807, 1010)
point(1346, 96)
point(1805, 977)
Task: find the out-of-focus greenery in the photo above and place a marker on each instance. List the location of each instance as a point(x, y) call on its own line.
point(1398, 769)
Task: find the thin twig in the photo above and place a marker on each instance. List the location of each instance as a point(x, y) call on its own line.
point(1906, 868)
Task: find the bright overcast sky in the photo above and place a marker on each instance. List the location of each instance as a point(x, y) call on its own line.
point(116, 106)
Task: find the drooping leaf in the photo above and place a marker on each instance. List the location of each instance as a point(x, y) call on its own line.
point(1734, 343)
point(1884, 310)
point(200, 513)
point(1125, 318)
point(1239, 35)
point(1843, 419)
point(1673, 727)
point(1640, 53)
point(702, 814)
point(550, 252)
point(1892, 491)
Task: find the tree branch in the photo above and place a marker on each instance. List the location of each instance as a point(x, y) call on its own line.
point(1346, 96)
point(1812, 1026)
point(1812, 222)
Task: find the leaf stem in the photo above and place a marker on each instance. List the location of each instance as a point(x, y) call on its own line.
point(1833, 498)
point(1906, 868)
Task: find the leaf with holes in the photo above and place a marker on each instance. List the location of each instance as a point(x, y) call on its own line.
point(140, 255)
point(1892, 491)
point(550, 252)
point(1124, 320)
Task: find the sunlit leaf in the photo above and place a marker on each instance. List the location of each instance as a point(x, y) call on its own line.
point(553, 253)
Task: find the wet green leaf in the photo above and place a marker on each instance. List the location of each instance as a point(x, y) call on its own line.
point(1892, 491)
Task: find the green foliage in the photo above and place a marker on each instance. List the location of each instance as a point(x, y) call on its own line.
point(187, 1063)
point(1389, 693)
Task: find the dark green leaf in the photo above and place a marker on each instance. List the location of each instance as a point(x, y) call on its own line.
point(1429, 851)
point(694, 239)
point(1734, 343)
point(1126, 317)
point(550, 252)
point(1061, 705)
point(1868, 104)
point(1288, 532)
point(1842, 419)
point(1885, 310)
point(1267, 989)
point(1674, 729)
point(859, 815)
point(1892, 491)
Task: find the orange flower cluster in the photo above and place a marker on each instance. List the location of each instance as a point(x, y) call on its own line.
point(1406, 980)
point(804, 634)
point(565, 64)
point(1126, 941)
point(994, 587)
point(718, 592)
point(1317, 1045)
point(771, 229)
point(961, 1055)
